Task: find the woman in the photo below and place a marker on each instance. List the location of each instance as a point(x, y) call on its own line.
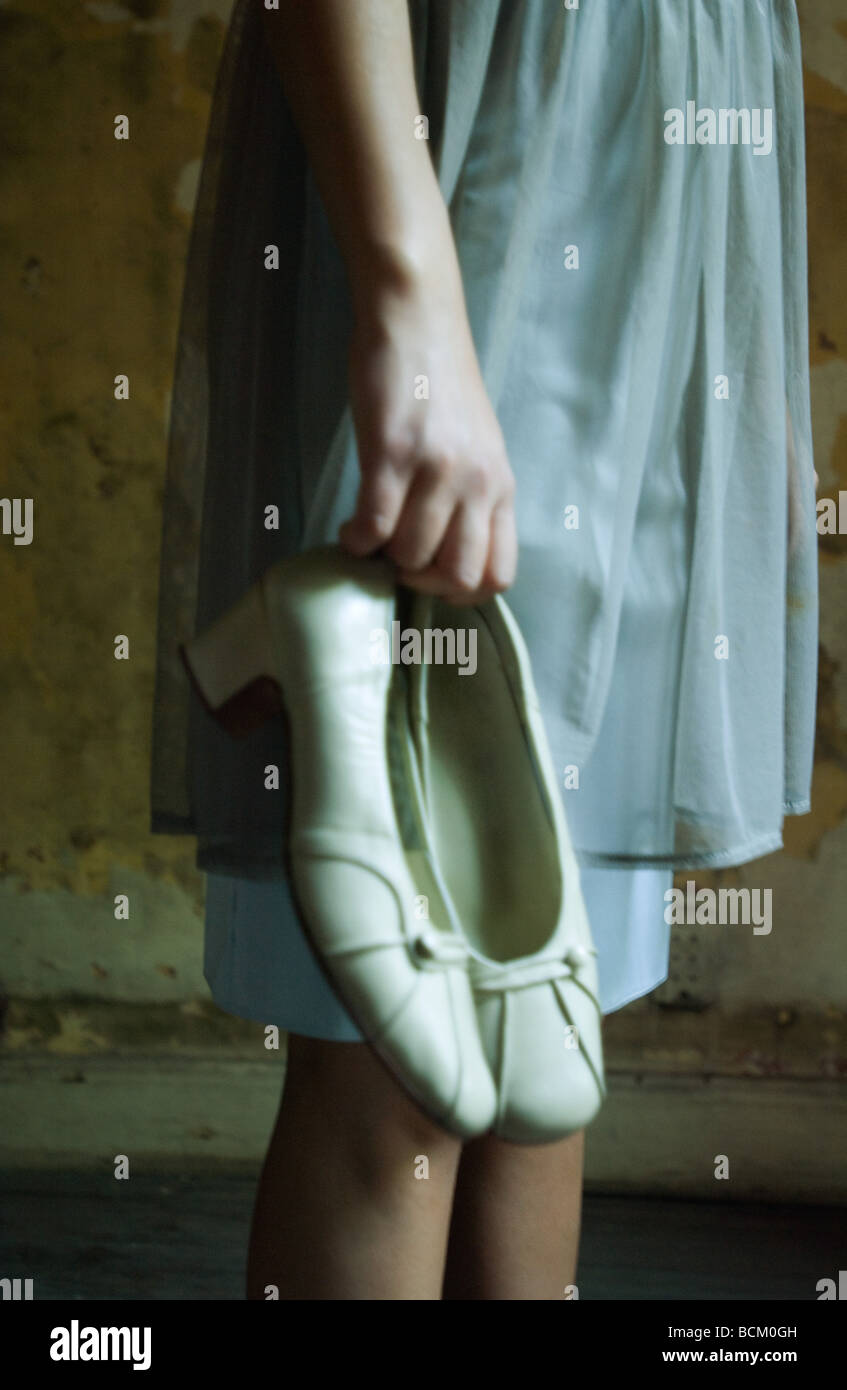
point(516, 201)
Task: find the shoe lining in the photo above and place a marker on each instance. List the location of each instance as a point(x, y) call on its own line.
point(407, 786)
point(489, 818)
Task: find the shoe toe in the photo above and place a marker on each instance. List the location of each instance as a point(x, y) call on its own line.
point(418, 1015)
point(544, 1048)
point(435, 1040)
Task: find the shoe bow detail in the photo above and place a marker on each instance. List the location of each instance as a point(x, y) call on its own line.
point(438, 948)
point(491, 978)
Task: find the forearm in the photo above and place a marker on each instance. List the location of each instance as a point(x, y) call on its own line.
point(347, 69)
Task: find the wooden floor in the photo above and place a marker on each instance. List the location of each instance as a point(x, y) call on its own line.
point(182, 1236)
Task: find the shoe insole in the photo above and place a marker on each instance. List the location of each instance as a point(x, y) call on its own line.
point(408, 797)
point(491, 829)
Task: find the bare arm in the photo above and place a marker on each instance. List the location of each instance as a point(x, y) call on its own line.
point(436, 488)
point(348, 74)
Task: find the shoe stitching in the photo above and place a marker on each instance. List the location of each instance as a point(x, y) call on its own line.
point(559, 993)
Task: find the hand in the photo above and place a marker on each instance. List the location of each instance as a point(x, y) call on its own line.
point(436, 492)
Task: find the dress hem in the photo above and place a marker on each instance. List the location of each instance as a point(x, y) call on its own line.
point(251, 1015)
point(713, 859)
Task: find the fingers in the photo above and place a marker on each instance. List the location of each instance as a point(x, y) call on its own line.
point(379, 505)
point(448, 526)
point(426, 517)
point(475, 581)
point(462, 555)
point(503, 550)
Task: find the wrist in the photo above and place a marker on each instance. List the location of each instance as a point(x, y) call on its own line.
point(414, 265)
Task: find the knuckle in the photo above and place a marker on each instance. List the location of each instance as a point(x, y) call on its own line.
point(376, 526)
point(505, 483)
point(402, 553)
point(498, 576)
point(396, 451)
point(476, 478)
point(508, 487)
point(460, 577)
point(437, 467)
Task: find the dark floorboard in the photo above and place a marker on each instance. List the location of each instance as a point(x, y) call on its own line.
point(165, 1236)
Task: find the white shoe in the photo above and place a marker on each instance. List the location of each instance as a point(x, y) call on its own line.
point(501, 841)
point(360, 864)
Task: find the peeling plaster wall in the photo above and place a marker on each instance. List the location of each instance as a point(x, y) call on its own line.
point(93, 250)
point(93, 246)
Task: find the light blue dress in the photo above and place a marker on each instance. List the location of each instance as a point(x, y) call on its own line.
point(631, 227)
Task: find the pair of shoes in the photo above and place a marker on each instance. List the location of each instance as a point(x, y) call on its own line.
point(427, 848)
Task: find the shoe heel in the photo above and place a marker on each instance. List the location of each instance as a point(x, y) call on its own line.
point(230, 666)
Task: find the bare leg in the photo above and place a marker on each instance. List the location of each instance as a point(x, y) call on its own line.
point(339, 1212)
point(516, 1220)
